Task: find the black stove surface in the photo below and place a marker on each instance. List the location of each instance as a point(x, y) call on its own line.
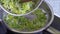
point(56, 23)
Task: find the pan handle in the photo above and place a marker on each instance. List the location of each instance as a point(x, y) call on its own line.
point(0, 21)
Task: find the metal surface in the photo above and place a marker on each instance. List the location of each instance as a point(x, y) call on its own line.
point(49, 11)
point(56, 6)
point(53, 30)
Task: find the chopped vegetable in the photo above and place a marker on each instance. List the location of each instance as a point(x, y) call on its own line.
point(31, 22)
point(17, 6)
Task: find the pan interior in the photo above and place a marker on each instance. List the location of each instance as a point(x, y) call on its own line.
point(31, 22)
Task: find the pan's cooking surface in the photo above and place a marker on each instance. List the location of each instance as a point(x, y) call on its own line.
point(28, 23)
